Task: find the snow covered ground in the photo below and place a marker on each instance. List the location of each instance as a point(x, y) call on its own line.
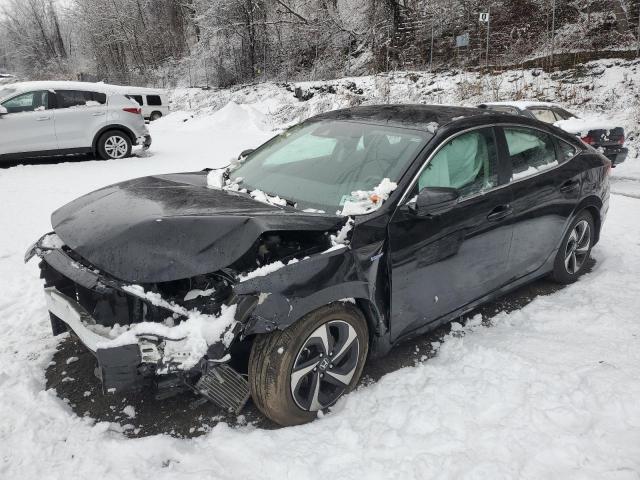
point(548, 391)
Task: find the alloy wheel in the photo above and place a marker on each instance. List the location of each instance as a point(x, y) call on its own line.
point(577, 247)
point(325, 365)
point(116, 146)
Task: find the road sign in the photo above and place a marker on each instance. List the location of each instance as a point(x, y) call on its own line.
point(484, 17)
point(462, 40)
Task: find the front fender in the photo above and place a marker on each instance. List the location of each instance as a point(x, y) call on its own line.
point(277, 300)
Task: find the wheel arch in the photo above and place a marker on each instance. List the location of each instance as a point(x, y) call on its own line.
point(114, 127)
point(593, 205)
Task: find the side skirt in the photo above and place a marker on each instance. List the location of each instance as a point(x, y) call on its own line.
point(44, 153)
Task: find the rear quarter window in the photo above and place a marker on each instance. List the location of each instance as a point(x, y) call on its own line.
point(154, 100)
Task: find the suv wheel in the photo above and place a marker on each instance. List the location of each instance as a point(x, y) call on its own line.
point(114, 145)
point(572, 256)
point(296, 372)
point(155, 116)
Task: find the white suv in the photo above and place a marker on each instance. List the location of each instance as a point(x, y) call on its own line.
point(58, 118)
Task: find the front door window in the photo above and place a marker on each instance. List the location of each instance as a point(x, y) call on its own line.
point(468, 163)
point(28, 102)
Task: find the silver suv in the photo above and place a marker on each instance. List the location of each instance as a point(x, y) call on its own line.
point(58, 118)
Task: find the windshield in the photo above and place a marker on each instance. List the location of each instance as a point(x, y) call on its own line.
point(6, 92)
point(319, 164)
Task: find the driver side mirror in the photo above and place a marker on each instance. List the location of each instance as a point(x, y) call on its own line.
point(3, 110)
point(245, 153)
point(434, 200)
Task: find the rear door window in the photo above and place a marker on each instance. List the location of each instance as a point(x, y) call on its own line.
point(28, 102)
point(530, 151)
point(154, 100)
point(76, 98)
point(137, 98)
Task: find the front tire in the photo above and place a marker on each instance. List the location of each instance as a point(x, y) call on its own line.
point(114, 145)
point(307, 367)
point(155, 116)
point(573, 254)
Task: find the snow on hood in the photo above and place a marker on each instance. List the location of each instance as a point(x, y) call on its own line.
point(362, 202)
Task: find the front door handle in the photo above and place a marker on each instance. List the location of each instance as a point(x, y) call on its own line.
point(42, 119)
point(499, 213)
point(569, 186)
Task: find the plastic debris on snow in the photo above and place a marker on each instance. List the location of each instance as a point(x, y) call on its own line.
point(362, 202)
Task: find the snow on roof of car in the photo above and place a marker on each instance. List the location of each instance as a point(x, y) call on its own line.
point(521, 104)
point(97, 87)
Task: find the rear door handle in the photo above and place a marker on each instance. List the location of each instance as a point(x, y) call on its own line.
point(499, 213)
point(569, 186)
point(42, 119)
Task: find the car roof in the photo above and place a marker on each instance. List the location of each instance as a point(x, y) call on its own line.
point(91, 86)
point(520, 104)
point(419, 117)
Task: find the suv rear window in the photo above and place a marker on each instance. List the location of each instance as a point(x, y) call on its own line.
point(137, 98)
point(74, 98)
point(154, 100)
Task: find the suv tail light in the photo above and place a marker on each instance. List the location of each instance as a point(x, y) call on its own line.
point(621, 140)
point(135, 110)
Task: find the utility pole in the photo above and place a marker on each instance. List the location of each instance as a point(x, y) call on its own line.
point(553, 29)
point(431, 50)
point(488, 33)
point(638, 34)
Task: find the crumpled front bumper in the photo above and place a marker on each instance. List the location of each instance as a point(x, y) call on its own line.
point(123, 363)
point(119, 366)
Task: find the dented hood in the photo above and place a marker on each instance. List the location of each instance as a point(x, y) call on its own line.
point(168, 227)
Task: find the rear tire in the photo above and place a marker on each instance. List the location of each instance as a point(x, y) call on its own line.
point(285, 366)
point(574, 252)
point(155, 116)
point(113, 145)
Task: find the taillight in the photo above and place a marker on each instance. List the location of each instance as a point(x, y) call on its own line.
point(621, 140)
point(608, 166)
point(135, 110)
point(588, 140)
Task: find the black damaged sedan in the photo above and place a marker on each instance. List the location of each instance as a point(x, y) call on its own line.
point(277, 277)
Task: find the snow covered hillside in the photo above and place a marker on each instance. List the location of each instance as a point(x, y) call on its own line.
point(548, 391)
